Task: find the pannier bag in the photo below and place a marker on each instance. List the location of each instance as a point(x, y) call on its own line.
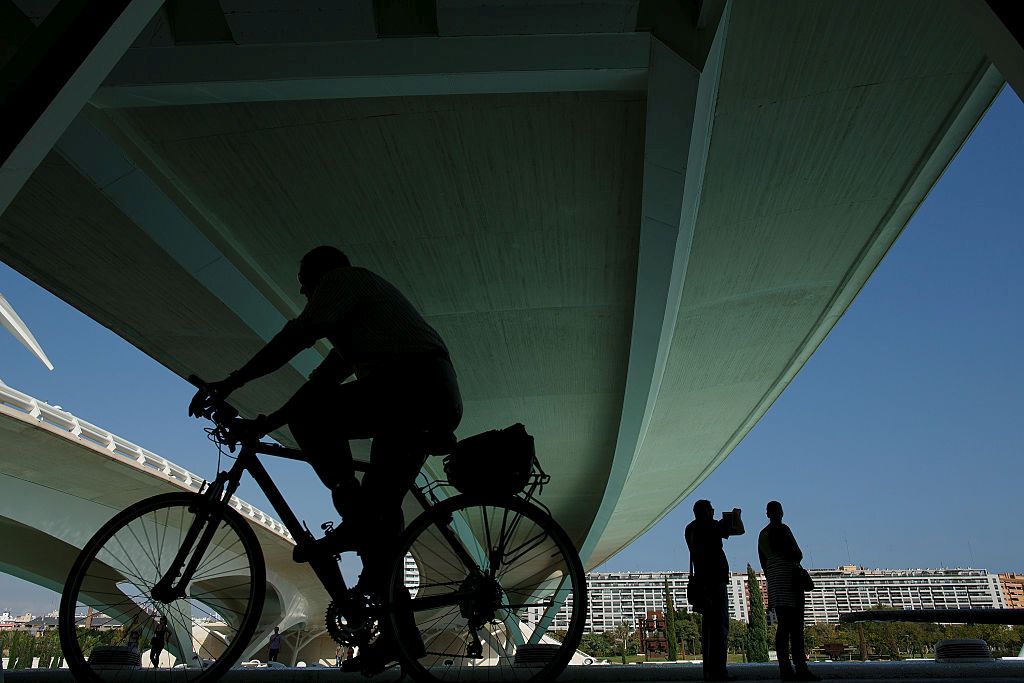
point(494, 463)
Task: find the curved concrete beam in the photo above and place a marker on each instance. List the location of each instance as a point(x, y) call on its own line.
point(680, 115)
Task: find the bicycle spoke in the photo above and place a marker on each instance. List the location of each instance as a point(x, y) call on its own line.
point(113, 590)
point(470, 618)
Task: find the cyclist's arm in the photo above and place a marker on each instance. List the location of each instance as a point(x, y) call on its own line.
point(334, 368)
point(285, 345)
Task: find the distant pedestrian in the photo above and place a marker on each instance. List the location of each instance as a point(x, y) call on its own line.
point(780, 560)
point(711, 573)
point(158, 642)
point(275, 645)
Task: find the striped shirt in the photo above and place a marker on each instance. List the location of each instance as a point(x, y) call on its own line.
point(367, 319)
point(780, 555)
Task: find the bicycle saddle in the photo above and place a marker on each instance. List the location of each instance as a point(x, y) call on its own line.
point(437, 443)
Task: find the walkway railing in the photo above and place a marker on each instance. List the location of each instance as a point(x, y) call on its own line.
point(97, 436)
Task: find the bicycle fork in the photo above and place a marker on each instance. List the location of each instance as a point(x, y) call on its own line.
point(173, 585)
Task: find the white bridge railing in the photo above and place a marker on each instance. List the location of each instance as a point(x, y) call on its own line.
point(85, 431)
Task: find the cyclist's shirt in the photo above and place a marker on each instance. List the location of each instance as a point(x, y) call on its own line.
point(367, 320)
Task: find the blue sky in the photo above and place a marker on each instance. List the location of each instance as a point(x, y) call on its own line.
point(898, 445)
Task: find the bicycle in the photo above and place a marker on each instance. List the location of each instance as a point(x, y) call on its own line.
point(483, 567)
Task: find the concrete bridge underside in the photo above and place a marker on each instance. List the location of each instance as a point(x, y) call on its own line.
point(632, 223)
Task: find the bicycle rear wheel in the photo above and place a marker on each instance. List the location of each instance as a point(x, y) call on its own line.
point(108, 615)
point(487, 579)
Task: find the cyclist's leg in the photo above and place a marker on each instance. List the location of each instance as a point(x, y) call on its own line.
point(424, 397)
point(394, 464)
point(420, 395)
point(322, 417)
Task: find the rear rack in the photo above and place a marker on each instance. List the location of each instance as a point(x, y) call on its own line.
point(530, 493)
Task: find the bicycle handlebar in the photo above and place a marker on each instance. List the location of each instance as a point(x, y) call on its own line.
point(218, 411)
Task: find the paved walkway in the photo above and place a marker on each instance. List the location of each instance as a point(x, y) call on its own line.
point(849, 672)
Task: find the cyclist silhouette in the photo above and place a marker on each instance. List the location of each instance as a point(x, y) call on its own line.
point(404, 387)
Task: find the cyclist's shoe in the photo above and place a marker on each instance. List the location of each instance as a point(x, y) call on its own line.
point(371, 660)
point(342, 538)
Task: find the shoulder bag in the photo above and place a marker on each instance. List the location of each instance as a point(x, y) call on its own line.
point(802, 580)
point(696, 591)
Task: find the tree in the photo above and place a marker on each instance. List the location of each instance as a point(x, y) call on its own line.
point(621, 635)
point(593, 644)
point(738, 636)
point(816, 635)
point(688, 631)
point(670, 625)
point(757, 632)
point(862, 643)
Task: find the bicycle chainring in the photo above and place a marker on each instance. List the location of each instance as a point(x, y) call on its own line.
point(358, 632)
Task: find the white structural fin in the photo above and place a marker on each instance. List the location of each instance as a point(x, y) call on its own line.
point(16, 326)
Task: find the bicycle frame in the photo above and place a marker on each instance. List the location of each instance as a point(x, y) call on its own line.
point(328, 572)
point(173, 584)
point(181, 570)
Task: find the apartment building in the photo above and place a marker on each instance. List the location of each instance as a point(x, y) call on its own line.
point(1013, 590)
point(617, 597)
point(854, 589)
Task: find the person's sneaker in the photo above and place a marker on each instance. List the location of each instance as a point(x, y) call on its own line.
point(805, 675)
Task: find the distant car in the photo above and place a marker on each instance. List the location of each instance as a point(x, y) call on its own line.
point(257, 664)
point(203, 663)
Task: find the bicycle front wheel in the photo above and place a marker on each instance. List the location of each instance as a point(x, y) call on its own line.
point(110, 623)
point(488, 590)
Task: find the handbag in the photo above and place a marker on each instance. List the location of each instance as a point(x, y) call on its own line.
point(697, 592)
point(802, 580)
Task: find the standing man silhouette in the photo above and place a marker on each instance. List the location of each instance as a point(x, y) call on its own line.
point(704, 539)
point(780, 557)
point(275, 645)
point(158, 642)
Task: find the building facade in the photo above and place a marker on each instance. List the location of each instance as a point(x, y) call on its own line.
point(617, 597)
point(854, 589)
point(1013, 590)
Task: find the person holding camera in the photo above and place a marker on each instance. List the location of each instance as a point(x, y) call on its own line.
point(710, 580)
